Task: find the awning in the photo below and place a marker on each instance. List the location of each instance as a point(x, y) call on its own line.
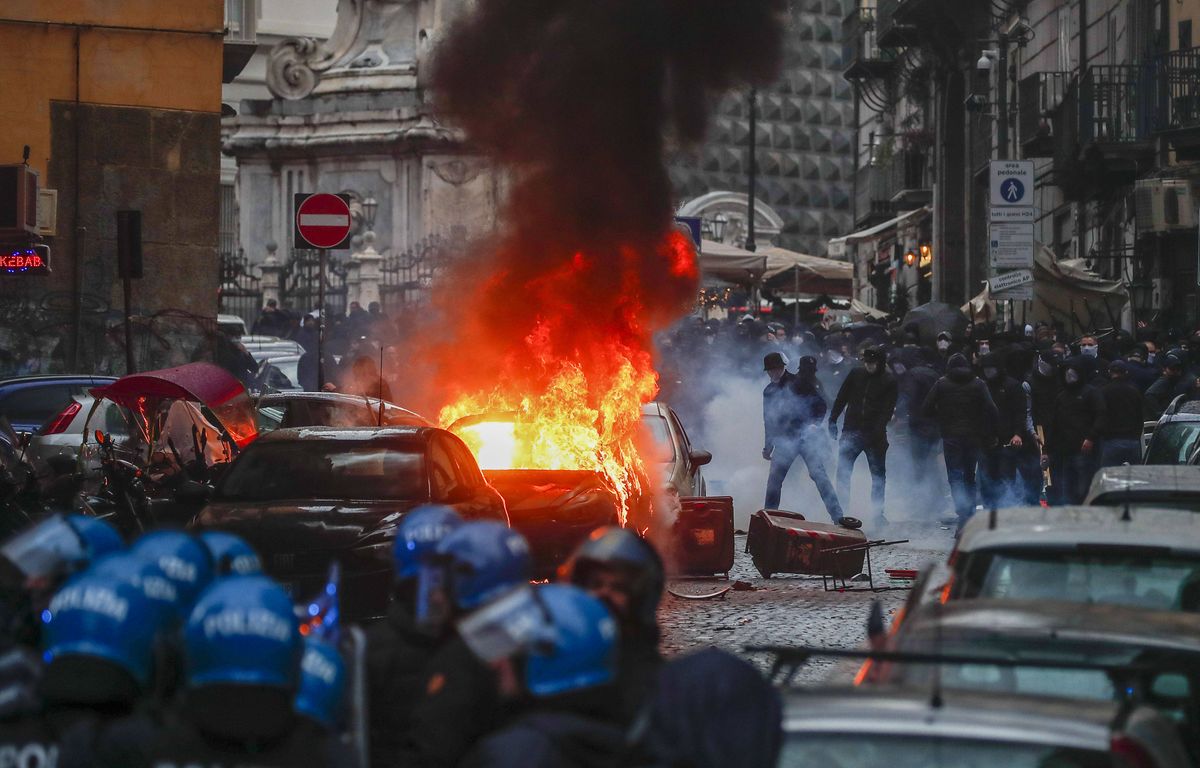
point(197, 382)
point(784, 269)
point(908, 217)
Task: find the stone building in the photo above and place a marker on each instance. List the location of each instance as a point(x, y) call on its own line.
point(804, 138)
point(119, 104)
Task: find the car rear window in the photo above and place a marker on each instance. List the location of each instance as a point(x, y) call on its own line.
point(1111, 576)
point(35, 404)
point(1174, 443)
point(328, 469)
point(865, 750)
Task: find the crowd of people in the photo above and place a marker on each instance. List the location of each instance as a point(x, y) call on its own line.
point(1020, 416)
point(176, 650)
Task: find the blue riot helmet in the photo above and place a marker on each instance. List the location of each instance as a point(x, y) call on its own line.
point(322, 684)
point(475, 564)
point(147, 576)
point(242, 651)
point(182, 557)
point(231, 554)
point(100, 637)
point(418, 535)
point(583, 654)
point(617, 558)
point(99, 537)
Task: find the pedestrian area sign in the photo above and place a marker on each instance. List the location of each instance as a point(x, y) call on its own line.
point(1012, 183)
point(1010, 244)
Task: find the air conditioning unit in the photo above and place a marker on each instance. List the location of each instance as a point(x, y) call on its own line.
point(47, 212)
point(1164, 205)
point(18, 201)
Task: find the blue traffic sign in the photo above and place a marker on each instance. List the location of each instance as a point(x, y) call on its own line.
point(1012, 190)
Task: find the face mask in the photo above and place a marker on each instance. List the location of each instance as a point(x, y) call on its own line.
point(1090, 350)
point(991, 373)
point(872, 367)
point(1150, 357)
point(943, 344)
point(836, 357)
point(1045, 368)
point(1072, 377)
point(775, 373)
point(984, 349)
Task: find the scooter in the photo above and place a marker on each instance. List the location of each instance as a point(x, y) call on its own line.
point(121, 498)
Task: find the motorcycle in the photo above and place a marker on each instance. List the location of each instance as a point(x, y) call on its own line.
point(122, 498)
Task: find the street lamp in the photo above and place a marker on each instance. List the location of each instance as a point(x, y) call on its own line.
point(752, 182)
point(370, 206)
point(719, 222)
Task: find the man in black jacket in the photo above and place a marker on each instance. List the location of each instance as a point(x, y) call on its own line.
point(1074, 434)
point(965, 413)
point(918, 435)
point(868, 398)
point(1001, 454)
point(793, 406)
point(1121, 438)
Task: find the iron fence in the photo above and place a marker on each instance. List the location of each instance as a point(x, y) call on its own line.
point(409, 276)
point(241, 290)
point(1116, 103)
point(1178, 90)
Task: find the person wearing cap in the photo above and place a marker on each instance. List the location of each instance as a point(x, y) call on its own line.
point(1012, 439)
point(868, 399)
point(794, 407)
point(1174, 381)
point(1124, 404)
point(945, 348)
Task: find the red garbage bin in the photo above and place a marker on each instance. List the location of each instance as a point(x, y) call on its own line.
point(784, 542)
point(702, 537)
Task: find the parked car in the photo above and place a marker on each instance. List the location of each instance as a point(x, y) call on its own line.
point(284, 410)
point(1176, 436)
point(909, 727)
point(55, 445)
point(30, 401)
point(680, 463)
point(1138, 556)
point(1149, 657)
point(264, 347)
point(278, 373)
point(231, 325)
point(306, 497)
point(1174, 487)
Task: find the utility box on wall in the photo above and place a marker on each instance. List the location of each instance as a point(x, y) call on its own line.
point(18, 201)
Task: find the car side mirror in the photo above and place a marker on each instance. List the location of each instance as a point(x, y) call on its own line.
point(700, 458)
point(192, 492)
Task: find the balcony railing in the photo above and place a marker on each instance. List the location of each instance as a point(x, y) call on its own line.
point(886, 28)
point(873, 197)
point(1039, 96)
point(909, 174)
point(1116, 104)
point(861, 54)
point(1178, 85)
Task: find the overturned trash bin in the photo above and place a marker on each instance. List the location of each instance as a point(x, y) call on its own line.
point(702, 537)
point(784, 542)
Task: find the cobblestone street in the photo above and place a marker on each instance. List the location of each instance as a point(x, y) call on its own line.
point(792, 609)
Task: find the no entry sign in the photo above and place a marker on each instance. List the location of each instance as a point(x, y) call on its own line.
point(322, 221)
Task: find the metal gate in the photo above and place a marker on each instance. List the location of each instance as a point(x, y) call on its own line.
point(300, 283)
point(409, 276)
point(241, 291)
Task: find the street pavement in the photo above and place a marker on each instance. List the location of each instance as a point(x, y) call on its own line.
point(793, 609)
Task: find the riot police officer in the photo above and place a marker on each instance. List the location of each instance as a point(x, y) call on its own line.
point(472, 567)
point(398, 650)
point(626, 574)
point(231, 554)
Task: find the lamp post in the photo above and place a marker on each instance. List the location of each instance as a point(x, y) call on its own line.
point(370, 206)
point(751, 245)
point(719, 223)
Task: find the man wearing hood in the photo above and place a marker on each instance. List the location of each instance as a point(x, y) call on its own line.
point(793, 407)
point(1174, 381)
point(945, 348)
point(919, 435)
point(1143, 371)
point(965, 412)
point(1001, 456)
point(1124, 405)
point(1073, 439)
point(868, 398)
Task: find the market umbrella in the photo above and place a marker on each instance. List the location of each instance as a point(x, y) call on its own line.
point(935, 317)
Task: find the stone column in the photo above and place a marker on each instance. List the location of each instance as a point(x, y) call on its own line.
point(370, 271)
point(353, 272)
point(272, 276)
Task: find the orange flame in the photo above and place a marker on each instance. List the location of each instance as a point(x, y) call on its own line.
point(582, 409)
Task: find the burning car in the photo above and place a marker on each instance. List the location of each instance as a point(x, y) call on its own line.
point(554, 508)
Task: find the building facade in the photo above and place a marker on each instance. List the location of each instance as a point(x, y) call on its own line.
point(804, 137)
point(119, 104)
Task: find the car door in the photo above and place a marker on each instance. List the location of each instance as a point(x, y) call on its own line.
point(696, 481)
point(455, 480)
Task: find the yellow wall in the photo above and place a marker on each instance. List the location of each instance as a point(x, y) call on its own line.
point(1182, 10)
point(117, 67)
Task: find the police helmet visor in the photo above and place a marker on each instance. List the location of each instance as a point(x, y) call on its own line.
point(45, 551)
point(516, 624)
point(434, 601)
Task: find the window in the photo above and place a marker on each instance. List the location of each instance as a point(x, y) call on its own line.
point(327, 469)
point(445, 482)
point(36, 404)
point(1185, 35)
point(660, 436)
point(468, 468)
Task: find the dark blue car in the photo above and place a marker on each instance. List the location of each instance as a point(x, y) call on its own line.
point(31, 401)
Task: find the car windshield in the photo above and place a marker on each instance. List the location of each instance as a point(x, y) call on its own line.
point(660, 435)
point(1091, 684)
point(328, 469)
point(858, 750)
point(1187, 501)
point(1116, 576)
point(1174, 443)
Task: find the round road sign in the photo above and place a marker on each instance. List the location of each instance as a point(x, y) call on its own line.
point(323, 220)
